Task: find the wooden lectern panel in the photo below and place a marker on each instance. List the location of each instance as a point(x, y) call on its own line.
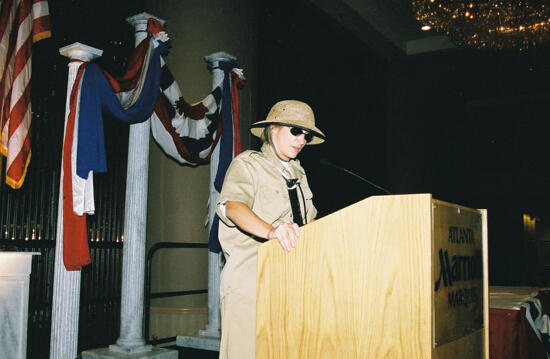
point(359, 284)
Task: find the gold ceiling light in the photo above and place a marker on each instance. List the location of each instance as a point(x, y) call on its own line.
point(498, 24)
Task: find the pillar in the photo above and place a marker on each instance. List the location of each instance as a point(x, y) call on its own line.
point(209, 338)
point(66, 284)
point(131, 343)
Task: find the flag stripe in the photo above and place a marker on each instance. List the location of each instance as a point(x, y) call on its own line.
point(4, 113)
point(41, 23)
point(15, 174)
point(6, 68)
point(22, 56)
point(21, 23)
point(21, 86)
point(7, 13)
point(19, 110)
point(20, 130)
point(39, 9)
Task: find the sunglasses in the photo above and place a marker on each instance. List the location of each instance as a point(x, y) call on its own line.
point(308, 136)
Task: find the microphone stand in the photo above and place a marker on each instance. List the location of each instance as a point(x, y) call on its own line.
point(326, 162)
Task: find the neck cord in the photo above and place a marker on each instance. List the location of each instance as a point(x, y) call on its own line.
point(304, 202)
point(276, 153)
point(291, 184)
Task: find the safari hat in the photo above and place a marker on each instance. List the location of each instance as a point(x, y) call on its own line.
point(290, 113)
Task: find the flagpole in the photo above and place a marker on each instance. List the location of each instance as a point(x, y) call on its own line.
point(66, 285)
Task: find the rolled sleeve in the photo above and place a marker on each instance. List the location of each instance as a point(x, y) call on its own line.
point(238, 186)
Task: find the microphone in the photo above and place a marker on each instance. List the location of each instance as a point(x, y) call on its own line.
point(326, 162)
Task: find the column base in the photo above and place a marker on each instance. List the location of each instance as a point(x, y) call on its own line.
point(136, 349)
point(211, 331)
point(198, 342)
point(106, 353)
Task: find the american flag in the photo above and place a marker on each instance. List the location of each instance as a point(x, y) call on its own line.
point(22, 22)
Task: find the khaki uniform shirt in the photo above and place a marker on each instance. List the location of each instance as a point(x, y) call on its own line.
point(253, 178)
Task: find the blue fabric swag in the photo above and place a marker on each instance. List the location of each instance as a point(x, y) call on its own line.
point(96, 96)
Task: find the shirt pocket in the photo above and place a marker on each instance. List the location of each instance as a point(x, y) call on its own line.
point(273, 205)
point(307, 200)
point(308, 195)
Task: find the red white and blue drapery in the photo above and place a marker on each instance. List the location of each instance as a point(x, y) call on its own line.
point(188, 133)
point(199, 128)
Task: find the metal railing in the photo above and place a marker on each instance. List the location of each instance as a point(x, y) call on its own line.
point(149, 295)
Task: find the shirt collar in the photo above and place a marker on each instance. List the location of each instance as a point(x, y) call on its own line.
point(294, 164)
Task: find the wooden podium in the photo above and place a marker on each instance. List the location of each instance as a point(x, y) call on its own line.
point(389, 277)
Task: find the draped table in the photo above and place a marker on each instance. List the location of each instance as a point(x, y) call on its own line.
point(511, 336)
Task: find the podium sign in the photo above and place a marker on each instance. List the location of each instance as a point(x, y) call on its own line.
point(457, 272)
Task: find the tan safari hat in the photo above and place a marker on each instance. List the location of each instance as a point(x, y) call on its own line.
point(290, 113)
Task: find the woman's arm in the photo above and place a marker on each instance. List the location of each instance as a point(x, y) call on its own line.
point(248, 221)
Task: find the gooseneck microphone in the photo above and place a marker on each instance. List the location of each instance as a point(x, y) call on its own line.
point(326, 162)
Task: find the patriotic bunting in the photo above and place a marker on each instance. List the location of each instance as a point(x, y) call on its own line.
point(187, 133)
point(230, 145)
point(131, 99)
point(22, 22)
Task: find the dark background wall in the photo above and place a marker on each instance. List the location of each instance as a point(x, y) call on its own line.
point(305, 56)
point(475, 135)
point(468, 126)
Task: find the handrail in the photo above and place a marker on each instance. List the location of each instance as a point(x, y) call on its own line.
point(149, 295)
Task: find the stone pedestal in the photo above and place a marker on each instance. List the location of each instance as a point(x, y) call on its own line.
point(106, 353)
point(15, 269)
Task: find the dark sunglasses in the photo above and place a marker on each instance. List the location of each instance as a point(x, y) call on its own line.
point(308, 136)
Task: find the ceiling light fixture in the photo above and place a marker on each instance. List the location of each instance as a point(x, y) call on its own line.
point(498, 24)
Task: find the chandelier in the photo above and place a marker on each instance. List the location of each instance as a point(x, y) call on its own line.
point(496, 24)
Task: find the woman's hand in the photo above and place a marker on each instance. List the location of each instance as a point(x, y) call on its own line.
point(286, 234)
point(248, 221)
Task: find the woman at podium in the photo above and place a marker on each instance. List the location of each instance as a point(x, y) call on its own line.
point(265, 196)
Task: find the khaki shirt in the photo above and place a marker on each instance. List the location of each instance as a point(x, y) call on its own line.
point(253, 179)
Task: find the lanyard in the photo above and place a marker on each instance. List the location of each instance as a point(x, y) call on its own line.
point(292, 184)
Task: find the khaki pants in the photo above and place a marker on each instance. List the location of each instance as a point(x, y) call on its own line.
point(238, 327)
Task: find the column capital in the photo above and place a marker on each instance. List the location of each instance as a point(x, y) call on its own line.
point(214, 58)
point(139, 21)
point(78, 51)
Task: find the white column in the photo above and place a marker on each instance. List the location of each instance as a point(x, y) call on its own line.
point(213, 328)
point(131, 343)
point(135, 219)
point(209, 337)
point(66, 284)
